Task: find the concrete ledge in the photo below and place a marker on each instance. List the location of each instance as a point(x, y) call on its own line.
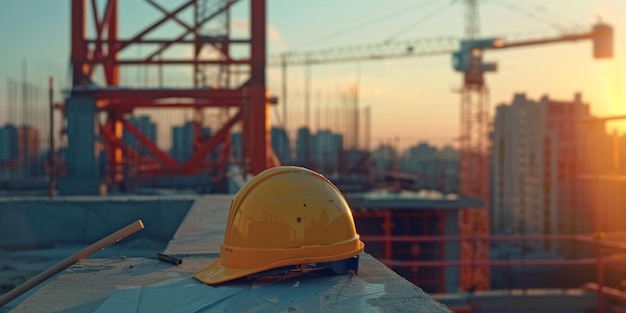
point(530, 300)
point(100, 283)
point(42, 222)
point(73, 186)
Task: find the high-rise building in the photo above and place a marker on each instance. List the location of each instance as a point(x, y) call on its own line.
point(29, 144)
point(280, 144)
point(303, 146)
point(384, 167)
point(449, 180)
point(183, 140)
point(564, 148)
point(20, 149)
point(518, 205)
point(9, 151)
point(384, 158)
point(602, 177)
point(535, 159)
point(434, 168)
point(145, 125)
point(236, 148)
point(326, 151)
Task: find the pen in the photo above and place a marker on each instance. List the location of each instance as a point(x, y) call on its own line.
point(169, 259)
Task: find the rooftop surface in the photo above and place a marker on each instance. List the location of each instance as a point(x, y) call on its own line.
point(121, 284)
point(412, 200)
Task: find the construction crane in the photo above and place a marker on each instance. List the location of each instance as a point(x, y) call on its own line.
point(474, 129)
point(467, 57)
point(601, 34)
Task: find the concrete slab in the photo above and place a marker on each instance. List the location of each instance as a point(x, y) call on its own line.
point(202, 229)
point(99, 284)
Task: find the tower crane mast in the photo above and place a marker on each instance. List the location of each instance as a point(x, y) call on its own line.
point(474, 173)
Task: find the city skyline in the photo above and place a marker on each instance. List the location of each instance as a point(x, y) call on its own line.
point(411, 98)
point(164, 134)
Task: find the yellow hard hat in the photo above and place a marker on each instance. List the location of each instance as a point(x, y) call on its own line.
point(286, 215)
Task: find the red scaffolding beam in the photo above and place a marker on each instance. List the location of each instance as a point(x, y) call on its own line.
point(102, 50)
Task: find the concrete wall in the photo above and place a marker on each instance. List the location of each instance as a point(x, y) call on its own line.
point(42, 222)
point(518, 301)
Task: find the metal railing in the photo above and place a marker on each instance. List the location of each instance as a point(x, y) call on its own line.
point(599, 241)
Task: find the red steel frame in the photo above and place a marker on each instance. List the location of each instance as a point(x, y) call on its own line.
point(104, 51)
point(599, 240)
point(385, 216)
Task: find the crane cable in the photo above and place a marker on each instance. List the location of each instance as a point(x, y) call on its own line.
point(560, 27)
point(424, 18)
point(371, 22)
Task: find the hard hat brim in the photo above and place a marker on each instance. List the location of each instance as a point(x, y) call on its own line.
point(217, 273)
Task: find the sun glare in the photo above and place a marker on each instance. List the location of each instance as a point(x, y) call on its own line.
point(614, 92)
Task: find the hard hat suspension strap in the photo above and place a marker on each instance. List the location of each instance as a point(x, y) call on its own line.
point(340, 267)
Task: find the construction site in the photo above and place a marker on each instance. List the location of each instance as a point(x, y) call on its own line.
point(169, 111)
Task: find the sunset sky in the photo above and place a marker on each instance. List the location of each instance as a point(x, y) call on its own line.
point(411, 99)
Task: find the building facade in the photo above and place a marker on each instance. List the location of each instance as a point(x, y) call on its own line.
point(435, 169)
point(326, 151)
point(9, 144)
point(280, 144)
point(303, 146)
point(147, 127)
point(537, 154)
point(20, 151)
point(517, 168)
point(183, 141)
